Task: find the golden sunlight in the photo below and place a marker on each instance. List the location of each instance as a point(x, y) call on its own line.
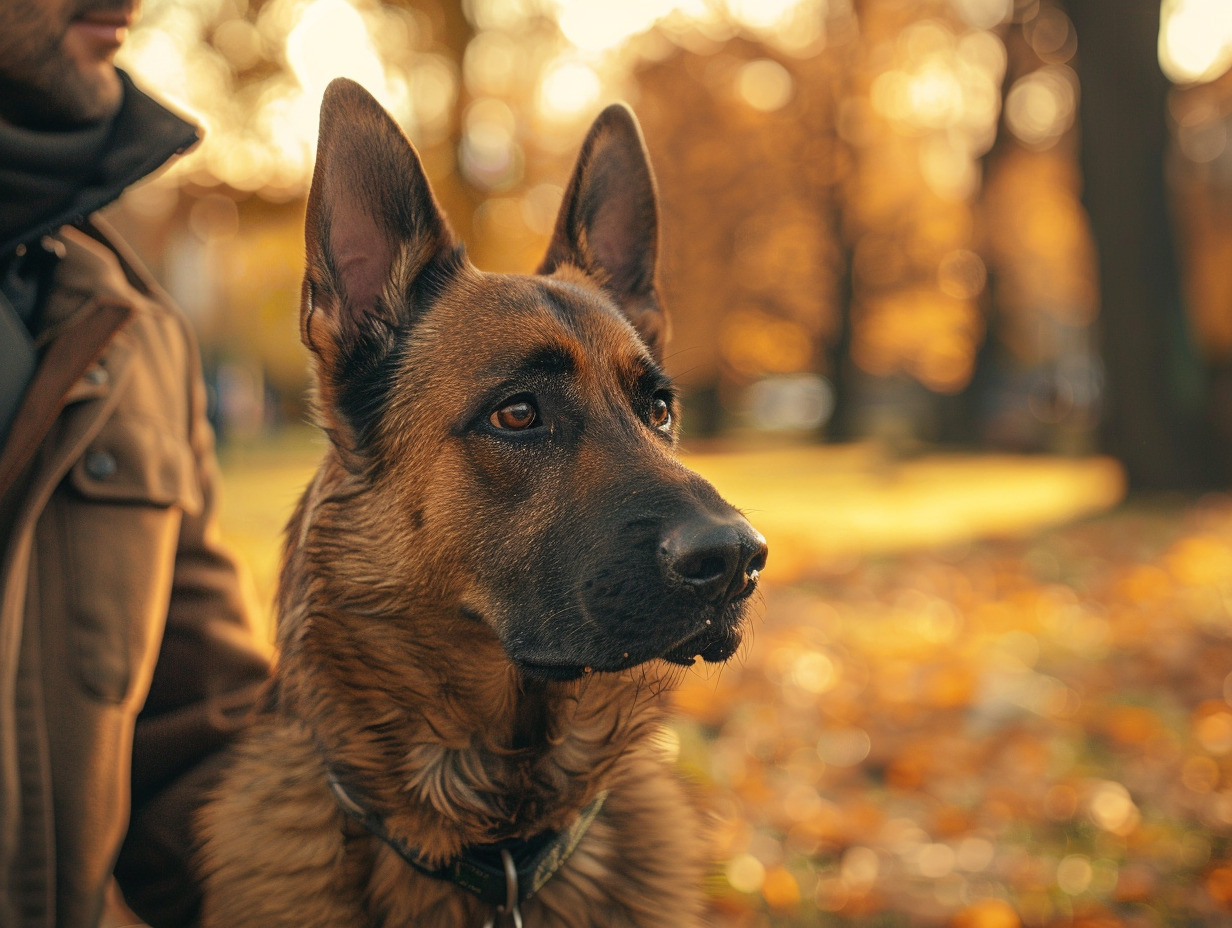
point(1195, 39)
point(568, 88)
point(598, 26)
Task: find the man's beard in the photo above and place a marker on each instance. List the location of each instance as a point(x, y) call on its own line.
point(41, 86)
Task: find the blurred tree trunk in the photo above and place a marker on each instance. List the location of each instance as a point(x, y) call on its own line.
point(453, 32)
point(836, 358)
point(1153, 419)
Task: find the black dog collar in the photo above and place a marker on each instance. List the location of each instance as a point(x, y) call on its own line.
point(505, 873)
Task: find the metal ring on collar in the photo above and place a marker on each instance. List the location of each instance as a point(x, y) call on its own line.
point(511, 894)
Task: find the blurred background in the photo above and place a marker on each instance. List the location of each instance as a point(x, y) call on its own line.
point(949, 279)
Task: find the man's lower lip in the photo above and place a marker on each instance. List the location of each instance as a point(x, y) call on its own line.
point(101, 32)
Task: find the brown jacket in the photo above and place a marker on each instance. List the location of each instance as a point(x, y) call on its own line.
point(124, 634)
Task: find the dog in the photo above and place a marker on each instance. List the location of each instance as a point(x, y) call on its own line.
point(495, 572)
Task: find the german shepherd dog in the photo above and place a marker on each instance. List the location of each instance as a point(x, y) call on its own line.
point(488, 582)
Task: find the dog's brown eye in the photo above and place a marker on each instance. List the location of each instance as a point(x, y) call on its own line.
point(660, 413)
point(516, 416)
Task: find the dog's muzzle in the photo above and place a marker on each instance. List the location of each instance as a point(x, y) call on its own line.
point(675, 593)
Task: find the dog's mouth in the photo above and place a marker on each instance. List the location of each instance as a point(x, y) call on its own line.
point(714, 645)
point(556, 673)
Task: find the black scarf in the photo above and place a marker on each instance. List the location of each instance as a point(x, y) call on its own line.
point(49, 178)
point(41, 174)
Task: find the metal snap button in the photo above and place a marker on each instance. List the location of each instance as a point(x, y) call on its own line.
point(53, 246)
point(100, 464)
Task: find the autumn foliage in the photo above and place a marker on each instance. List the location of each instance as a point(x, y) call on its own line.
point(1032, 732)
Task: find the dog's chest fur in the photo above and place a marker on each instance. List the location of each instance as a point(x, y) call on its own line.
point(314, 869)
point(432, 730)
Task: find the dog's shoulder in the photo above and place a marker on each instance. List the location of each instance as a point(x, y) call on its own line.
point(273, 799)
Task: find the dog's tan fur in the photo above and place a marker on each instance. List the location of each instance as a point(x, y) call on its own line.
point(409, 557)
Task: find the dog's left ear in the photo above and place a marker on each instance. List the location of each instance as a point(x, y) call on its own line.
point(609, 222)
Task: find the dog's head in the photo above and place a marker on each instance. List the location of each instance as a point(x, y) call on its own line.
point(515, 433)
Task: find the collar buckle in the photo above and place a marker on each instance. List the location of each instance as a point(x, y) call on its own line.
point(510, 908)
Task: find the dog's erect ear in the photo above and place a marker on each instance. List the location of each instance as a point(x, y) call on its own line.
point(609, 222)
point(373, 234)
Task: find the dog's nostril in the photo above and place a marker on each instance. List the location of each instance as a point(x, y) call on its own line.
point(701, 568)
point(753, 561)
point(708, 573)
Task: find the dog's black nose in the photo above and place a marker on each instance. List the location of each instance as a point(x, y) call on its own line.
point(717, 557)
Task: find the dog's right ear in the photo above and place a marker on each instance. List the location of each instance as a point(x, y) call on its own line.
point(374, 236)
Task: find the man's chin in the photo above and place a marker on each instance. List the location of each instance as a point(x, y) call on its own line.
point(71, 90)
point(92, 94)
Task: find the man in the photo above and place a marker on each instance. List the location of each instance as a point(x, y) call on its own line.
point(127, 658)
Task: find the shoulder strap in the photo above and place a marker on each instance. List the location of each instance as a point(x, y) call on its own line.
point(17, 363)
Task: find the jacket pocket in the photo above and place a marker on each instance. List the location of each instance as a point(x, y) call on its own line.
point(138, 461)
point(127, 496)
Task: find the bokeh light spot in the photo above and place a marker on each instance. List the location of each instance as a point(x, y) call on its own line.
point(567, 89)
point(1042, 105)
point(764, 85)
point(844, 747)
point(746, 873)
point(1074, 874)
point(1195, 39)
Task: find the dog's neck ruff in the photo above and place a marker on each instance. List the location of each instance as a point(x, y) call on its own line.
point(505, 873)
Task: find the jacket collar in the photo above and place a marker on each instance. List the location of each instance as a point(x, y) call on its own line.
point(88, 272)
point(50, 179)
